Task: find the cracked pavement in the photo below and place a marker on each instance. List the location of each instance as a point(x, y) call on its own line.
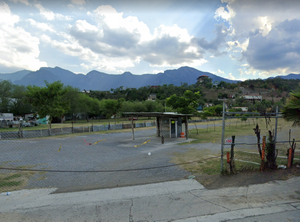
point(184, 200)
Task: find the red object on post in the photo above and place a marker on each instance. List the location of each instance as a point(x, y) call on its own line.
point(228, 157)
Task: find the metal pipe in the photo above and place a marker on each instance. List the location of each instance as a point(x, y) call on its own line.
point(223, 132)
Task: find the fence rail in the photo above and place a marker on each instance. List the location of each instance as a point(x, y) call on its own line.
point(68, 130)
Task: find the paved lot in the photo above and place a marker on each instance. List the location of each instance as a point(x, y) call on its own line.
point(113, 152)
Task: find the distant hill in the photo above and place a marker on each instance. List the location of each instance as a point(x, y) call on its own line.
point(95, 80)
point(289, 76)
point(14, 76)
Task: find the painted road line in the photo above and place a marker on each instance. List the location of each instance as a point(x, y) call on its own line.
point(142, 143)
point(99, 141)
point(59, 148)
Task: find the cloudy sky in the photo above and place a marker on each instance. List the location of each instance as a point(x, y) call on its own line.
point(235, 39)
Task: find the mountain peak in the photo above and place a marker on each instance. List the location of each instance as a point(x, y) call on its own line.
point(127, 73)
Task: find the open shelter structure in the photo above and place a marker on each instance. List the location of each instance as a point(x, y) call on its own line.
point(168, 124)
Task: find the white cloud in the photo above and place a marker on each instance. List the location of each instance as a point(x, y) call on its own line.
point(49, 15)
point(40, 25)
point(18, 49)
point(254, 15)
point(227, 15)
point(236, 44)
point(155, 71)
point(107, 16)
point(220, 72)
point(122, 42)
point(230, 76)
point(174, 31)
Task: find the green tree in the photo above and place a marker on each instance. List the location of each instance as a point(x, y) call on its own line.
point(291, 111)
point(5, 96)
point(185, 104)
point(48, 100)
point(18, 105)
point(111, 107)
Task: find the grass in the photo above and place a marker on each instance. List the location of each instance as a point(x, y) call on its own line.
point(17, 180)
point(14, 181)
point(236, 127)
point(210, 163)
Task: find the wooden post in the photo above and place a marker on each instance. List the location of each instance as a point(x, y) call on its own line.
point(262, 165)
point(186, 128)
point(232, 164)
point(132, 128)
point(72, 127)
point(160, 130)
point(290, 158)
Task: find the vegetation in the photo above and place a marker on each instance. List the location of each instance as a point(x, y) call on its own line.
point(291, 110)
point(186, 104)
point(57, 100)
point(48, 100)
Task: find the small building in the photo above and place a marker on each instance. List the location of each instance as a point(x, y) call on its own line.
point(6, 116)
point(152, 96)
point(253, 98)
point(200, 79)
point(168, 124)
point(216, 83)
point(244, 109)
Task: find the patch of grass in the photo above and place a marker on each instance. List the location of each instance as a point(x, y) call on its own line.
point(12, 177)
point(210, 163)
point(16, 180)
point(237, 127)
point(12, 181)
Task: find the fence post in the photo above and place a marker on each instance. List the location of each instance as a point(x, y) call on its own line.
point(232, 164)
point(262, 167)
point(275, 134)
point(223, 131)
point(72, 127)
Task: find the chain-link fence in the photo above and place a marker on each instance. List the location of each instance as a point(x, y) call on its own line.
point(244, 132)
point(74, 162)
point(28, 133)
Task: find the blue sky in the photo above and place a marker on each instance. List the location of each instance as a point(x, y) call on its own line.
point(235, 39)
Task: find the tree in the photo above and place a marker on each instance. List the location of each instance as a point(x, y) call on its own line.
point(48, 100)
point(112, 107)
point(18, 105)
point(291, 111)
point(185, 104)
point(5, 96)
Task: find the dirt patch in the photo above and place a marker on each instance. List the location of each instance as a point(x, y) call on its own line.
point(245, 178)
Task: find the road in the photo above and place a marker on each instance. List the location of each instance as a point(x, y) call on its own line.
point(180, 201)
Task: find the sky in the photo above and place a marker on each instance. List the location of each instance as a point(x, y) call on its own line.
point(234, 39)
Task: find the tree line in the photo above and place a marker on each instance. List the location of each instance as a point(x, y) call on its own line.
point(57, 100)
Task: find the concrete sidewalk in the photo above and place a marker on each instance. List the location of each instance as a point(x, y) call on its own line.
point(184, 200)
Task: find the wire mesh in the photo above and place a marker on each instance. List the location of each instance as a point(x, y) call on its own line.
point(82, 160)
point(246, 151)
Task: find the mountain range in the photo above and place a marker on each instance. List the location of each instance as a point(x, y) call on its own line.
point(95, 80)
